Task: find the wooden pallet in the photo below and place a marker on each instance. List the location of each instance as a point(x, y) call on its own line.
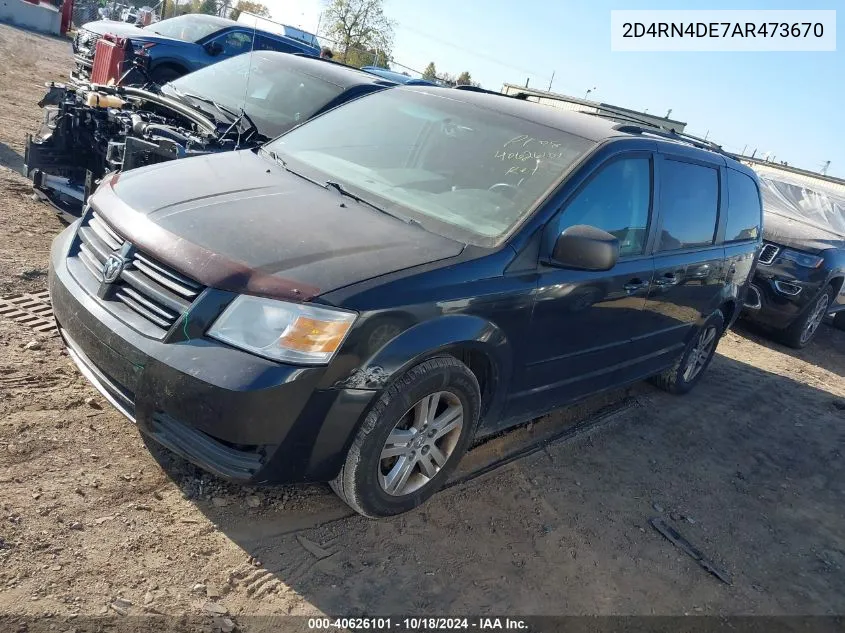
point(30, 309)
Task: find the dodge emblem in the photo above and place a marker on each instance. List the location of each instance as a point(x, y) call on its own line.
point(112, 268)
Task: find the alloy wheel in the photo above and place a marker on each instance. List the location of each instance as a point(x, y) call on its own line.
point(700, 353)
point(421, 443)
point(816, 318)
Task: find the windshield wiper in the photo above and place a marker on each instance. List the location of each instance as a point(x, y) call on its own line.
point(283, 164)
point(230, 113)
point(331, 184)
point(233, 117)
point(252, 129)
point(343, 191)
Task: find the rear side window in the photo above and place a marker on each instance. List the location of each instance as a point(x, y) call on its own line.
point(689, 205)
point(744, 208)
point(617, 200)
point(263, 43)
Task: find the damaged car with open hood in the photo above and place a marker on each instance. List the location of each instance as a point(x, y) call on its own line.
point(90, 130)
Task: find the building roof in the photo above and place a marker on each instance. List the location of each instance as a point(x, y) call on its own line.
point(593, 104)
point(757, 162)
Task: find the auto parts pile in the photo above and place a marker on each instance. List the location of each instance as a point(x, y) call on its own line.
point(90, 130)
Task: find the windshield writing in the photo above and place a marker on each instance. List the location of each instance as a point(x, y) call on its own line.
point(468, 172)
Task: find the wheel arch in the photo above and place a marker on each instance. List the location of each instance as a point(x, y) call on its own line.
point(477, 342)
point(169, 62)
point(836, 282)
point(730, 310)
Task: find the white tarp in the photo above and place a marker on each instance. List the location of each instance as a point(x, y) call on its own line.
point(793, 199)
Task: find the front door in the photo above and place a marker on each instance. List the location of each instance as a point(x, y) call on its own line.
point(587, 327)
point(689, 270)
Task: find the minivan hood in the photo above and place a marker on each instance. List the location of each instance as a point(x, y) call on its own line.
point(802, 236)
point(237, 221)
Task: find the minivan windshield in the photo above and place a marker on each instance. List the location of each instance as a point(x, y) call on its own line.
point(274, 95)
point(468, 172)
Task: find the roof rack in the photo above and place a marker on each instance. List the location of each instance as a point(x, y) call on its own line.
point(681, 137)
point(643, 126)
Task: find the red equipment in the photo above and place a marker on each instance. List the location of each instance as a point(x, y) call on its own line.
point(67, 15)
point(109, 56)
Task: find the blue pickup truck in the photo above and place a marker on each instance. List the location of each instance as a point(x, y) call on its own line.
point(180, 45)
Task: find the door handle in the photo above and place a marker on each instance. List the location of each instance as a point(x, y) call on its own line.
point(669, 279)
point(635, 284)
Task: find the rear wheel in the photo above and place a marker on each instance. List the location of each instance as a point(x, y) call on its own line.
point(411, 440)
point(689, 368)
point(804, 328)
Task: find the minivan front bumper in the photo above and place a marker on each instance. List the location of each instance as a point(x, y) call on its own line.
point(239, 416)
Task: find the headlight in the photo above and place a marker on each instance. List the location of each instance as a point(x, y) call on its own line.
point(802, 259)
point(288, 332)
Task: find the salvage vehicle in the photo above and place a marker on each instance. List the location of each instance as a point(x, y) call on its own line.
point(177, 46)
point(240, 103)
point(363, 297)
point(800, 273)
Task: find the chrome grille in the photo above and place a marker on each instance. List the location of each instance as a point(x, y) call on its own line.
point(768, 254)
point(146, 287)
point(86, 41)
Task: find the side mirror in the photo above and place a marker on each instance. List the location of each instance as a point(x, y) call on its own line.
point(214, 48)
point(585, 248)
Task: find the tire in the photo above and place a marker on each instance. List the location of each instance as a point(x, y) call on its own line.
point(680, 378)
point(162, 74)
point(801, 332)
point(367, 474)
point(839, 321)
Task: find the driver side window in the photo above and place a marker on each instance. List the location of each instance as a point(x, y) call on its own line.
point(235, 43)
point(616, 200)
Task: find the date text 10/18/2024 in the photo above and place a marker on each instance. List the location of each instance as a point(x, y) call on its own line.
point(418, 624)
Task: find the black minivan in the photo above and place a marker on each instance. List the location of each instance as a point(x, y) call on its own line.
point(361, 298)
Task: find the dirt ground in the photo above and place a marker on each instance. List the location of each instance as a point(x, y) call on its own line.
point(749, 467)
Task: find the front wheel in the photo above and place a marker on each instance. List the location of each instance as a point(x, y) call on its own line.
point(165, 73)
point(804, 328)
point(689, 368)
point(412, 439)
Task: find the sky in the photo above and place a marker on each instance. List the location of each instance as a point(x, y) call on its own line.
point(781, 104)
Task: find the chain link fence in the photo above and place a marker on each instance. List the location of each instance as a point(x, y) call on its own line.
point(84, 11)
point(90, 10)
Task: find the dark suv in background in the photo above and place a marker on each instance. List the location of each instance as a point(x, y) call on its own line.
point(361, 298)
point(800, 273)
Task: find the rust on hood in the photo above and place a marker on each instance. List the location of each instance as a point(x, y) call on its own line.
point(207, 267)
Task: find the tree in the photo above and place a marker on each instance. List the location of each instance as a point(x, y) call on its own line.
point(256, 8)
point(358, 25)
point(430, 72)
point(209, 7)
point(464, 79)
point(366, 57)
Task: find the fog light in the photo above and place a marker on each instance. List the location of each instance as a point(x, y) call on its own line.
point(787, 288)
